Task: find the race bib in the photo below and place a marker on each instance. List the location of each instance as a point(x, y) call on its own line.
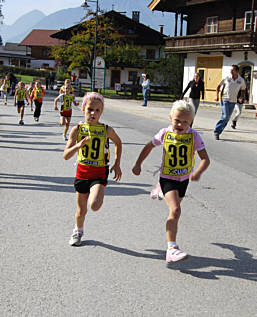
point(178, 154)
point(93, 152)
point(67, 102)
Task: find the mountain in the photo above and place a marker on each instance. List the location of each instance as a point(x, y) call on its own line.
point(68, 17)
point(21, 26)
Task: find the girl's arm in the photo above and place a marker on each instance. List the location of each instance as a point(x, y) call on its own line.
point(142, 156)
point(15, 97)
point(205, 162)
point(55, 102)
point(72, 146)
point(118, 150)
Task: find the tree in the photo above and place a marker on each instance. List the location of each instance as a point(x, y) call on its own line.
point(78, 52)
point(168, 72)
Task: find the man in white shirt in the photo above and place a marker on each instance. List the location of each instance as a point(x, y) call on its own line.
point(231, 86)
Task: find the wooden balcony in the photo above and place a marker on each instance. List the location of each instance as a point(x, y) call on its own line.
point(225, 42)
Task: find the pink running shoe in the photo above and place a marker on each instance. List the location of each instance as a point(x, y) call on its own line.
point(175, 254)
point(157, 192)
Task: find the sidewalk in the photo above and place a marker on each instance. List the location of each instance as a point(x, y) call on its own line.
point(205, 120)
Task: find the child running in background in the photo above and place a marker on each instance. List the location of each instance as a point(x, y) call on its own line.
point(66, 100)
point(19, 98)
point(67, 84)
point(38, 93)
point(90, 140)
point(4, 91)
point(31, 87)
point(180, 142)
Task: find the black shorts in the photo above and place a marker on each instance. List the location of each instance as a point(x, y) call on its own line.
point(168, 184)
point(83, 186)
point(20, 104)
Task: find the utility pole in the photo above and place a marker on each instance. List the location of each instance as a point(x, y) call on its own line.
point(1, 19)
point(86, 6)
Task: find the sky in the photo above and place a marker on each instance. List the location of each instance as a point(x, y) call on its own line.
point(14, 9)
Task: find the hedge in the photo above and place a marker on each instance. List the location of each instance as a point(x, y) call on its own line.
point(4, 70)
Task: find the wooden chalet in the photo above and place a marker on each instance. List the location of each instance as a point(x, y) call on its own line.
point(39, 42)
point(218, 33)
point(148, 40)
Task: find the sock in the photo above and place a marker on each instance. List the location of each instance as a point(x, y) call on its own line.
point(171, 244)
point(79, 229)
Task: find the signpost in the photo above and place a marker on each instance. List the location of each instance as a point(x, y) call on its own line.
point(99, 72)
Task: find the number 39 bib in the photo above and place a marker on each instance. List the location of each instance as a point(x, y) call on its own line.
point(178, 154)
point(93, 152)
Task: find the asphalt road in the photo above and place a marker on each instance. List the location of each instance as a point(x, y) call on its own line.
point(120, 269)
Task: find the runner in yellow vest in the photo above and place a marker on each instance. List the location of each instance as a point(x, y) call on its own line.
point(67, 83)
point(19, 98)
point(4, 91)
point(180, 143)
point(66, 99)
point(30, 90)
point(89, 140)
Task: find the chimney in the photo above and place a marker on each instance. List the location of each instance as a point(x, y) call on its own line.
point(135, 16)
point(161, 28)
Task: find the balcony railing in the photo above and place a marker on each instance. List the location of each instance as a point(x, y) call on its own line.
point(225, 41)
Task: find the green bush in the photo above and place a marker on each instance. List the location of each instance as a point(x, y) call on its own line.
point(23, 71)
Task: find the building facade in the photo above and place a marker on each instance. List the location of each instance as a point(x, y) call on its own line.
point(149, 41)
point(219, 33)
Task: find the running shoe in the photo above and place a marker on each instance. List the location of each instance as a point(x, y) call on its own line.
point(20, 122)
point(65, 137)
point(75, 239)
point(175, 254)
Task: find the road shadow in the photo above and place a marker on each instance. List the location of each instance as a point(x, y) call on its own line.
point(65, 184)
point(50, 183)
point(242, 265)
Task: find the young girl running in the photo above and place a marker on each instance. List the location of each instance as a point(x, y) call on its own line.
point(19, 97)
point(37, 95)
point(66, 100)
point(31, 87)
point(4, 91)
point(180, 142)
point(89, 140)
point(67, 84)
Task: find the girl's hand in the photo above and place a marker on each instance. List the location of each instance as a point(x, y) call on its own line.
point(117, 172)
point(83, 142)
point(136, 170)
point(195, 176)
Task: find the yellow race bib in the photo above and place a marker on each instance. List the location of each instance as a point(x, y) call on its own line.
point(93, 152)
point(178, 154)
point(21, 93)
point(67, 102)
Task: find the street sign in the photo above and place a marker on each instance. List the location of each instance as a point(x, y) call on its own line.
point(99, 72)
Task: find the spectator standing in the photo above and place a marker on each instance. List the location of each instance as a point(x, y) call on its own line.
point(146, 88)
point(197, 89)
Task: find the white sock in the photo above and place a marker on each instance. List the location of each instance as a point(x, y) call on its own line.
point(81, 229)
point(171, 244)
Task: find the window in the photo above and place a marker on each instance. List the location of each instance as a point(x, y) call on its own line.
point(132, 75)
point(150, 54)
point(45, 52)
point(248, 20)
point(212, 25)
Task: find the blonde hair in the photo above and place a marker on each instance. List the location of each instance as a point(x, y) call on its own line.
point(20, 83)
point(92, 96)
point(182, 105)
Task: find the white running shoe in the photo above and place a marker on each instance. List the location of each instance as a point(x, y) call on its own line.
point(75, 239)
